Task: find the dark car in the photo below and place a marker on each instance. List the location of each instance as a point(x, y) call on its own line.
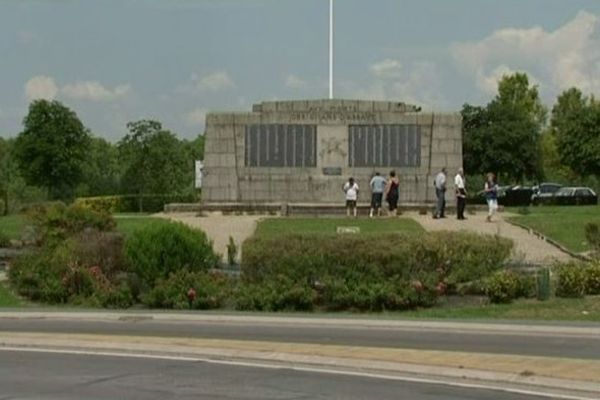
point(574, 196)
point(543, 192)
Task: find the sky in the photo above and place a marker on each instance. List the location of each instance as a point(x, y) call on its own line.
point(118, 61)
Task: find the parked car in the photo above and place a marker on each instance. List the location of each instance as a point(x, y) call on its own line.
point(543, 192)
point(574, 196)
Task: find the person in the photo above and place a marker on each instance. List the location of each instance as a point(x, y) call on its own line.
point(378, 184)
point(491, 194)
point(351, 190)
point(440, 193)
point(461, 194)
point(392, 193)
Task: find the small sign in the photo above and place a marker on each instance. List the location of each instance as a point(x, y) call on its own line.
point(198, 169)
point(332, 170)
point(348, 229)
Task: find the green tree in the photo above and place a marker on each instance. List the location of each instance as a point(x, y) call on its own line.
point(575, 125)
point(154, 161)
point(52, 147)
point(8, 172)
point(101, 171)
point(504, 136)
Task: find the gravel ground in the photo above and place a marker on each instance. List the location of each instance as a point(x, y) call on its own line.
point(219, 227)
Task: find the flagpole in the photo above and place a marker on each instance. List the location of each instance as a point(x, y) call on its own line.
point(331, 49)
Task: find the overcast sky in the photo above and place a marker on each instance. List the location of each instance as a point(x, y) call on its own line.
point(118, 61)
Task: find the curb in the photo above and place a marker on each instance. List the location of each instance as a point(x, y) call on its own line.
point(411, 325)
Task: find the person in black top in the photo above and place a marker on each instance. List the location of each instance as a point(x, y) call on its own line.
point(392, 193)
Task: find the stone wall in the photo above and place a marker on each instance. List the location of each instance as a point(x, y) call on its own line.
point(227, 178)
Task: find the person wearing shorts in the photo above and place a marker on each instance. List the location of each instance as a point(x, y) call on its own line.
point(351, 190)
point(377, 184)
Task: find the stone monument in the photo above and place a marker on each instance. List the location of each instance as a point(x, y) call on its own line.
point(302, 151)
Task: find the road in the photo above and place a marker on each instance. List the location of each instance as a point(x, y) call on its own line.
point(444, 339)
point(67, 376)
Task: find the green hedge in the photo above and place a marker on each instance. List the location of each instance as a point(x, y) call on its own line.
point(370, 272)
point(134, 203)
point(158, 249)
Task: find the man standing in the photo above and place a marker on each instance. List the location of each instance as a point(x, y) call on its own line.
point(440, 193)
point(461, 194)
point(351, 190)
point(377, 186)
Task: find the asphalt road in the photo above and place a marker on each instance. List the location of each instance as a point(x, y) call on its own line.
point(410, 338)
point(26, 375)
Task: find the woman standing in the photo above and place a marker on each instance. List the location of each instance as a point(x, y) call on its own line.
point(392, 193)
point(491, 194)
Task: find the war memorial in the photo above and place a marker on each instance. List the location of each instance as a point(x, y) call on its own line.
point(302, 151)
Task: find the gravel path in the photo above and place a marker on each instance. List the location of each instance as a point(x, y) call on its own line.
point(219, 227)
point(528, 247)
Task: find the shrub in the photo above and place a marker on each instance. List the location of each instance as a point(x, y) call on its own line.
point(186, 289)
point(134, 203)
point(232, 251)
point(274, 295)
point(502, 287)
point(85, 269)
point(371, 272)
point(570, 280)
point(4, 240)
point(56, 222)
point(161, 248)
point(456, 257)
point(39, 276)
point(592, 278)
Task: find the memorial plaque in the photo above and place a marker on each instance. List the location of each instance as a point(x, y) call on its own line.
point(332, 170)
point(278, 145)
point(384, 145)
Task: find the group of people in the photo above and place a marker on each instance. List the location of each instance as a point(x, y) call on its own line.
point(388, 189)
point(381, 189)
point(490, 190)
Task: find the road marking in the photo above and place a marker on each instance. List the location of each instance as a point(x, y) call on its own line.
point(266, 365)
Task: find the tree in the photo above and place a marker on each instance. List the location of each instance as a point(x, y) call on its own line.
point(101, 171)
point(575, 125)
point(8, 172)
point(52, 147)
point(504, 136)
point(154, 161)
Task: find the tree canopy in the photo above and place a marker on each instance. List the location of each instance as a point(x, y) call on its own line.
point(52, 147)
point(154, 160)
point(504, 136)
point(575, 124)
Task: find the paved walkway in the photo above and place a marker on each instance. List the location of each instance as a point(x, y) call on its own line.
point(528, 247)
point(219, 227)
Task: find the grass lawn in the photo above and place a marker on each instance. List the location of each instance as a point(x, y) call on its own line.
point(586, 309)
point(276, 226)
point(7, 299)
point(127, 223)
point(12, 225)
point(564, 224)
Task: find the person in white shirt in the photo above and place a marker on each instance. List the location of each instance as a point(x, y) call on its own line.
point(440, 194)
point(461, 194)
point(351, 190)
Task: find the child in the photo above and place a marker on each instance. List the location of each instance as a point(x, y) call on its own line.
point(351, 190)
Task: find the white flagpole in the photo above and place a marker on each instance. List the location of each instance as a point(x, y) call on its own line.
point(331, 49)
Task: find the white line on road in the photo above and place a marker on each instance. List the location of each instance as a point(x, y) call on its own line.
point(303, 369)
